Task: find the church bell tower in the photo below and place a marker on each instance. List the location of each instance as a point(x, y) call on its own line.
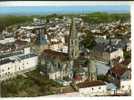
point(73, 45)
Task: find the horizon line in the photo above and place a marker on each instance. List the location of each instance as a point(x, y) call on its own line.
point(64, 9)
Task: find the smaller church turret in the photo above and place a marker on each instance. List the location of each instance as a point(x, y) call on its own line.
point(42, 38)
point(92, 70)
point(73, 46)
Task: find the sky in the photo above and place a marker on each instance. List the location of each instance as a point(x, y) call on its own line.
point(64, 9)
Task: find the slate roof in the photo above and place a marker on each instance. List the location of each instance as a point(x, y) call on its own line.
point(101, 47)
point(5, 61)
point(27, 56)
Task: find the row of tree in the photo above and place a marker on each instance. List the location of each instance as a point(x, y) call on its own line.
point(7, 20)
point(99, 17)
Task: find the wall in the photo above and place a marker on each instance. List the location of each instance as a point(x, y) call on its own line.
point(117, 53)
point(12, 68)
point(125, 85)
point(94, 90)
point(6, 70)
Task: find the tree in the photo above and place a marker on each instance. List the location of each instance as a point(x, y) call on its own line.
point(87, 62)
point(88, 40)
point(127, 54)
point(102, 77)
point(101, 17)
point(7, 20)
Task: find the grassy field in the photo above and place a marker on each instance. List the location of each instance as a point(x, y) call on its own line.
point(30, 84)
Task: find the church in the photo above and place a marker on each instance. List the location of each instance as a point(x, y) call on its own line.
point(68, 66)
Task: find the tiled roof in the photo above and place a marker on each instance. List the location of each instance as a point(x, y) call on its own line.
point(7, 47)
point(90, 83)
point(55, 55)
point(19, 42)
point(126, 62)
point(118, 70)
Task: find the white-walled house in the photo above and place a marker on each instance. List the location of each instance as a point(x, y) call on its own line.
point(55, 46)
point(27, 62)
point(7, 40)
point(129, 45)
point(106, 53)
point(125, 86)
point(11, 66)
point(116, 53)
point(92, 88)
point(129, 65)
point(7, 68)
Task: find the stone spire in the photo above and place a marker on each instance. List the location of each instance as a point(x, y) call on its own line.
point(73, 45)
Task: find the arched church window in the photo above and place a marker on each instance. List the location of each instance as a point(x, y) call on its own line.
point(59, 65)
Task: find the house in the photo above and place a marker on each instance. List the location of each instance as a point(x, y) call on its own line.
point(105, 52)
point(118, 73)
point(10, 67)
point(56, 45)
point(125, 86)
point(125, 82)
point(129, 65)
point(17, 62)
point(92, 88)
point(13, 46)
point(129, 45)
point(7, 40)
point(116, 53)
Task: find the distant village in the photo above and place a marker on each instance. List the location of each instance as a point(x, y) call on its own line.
point(55, 48)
